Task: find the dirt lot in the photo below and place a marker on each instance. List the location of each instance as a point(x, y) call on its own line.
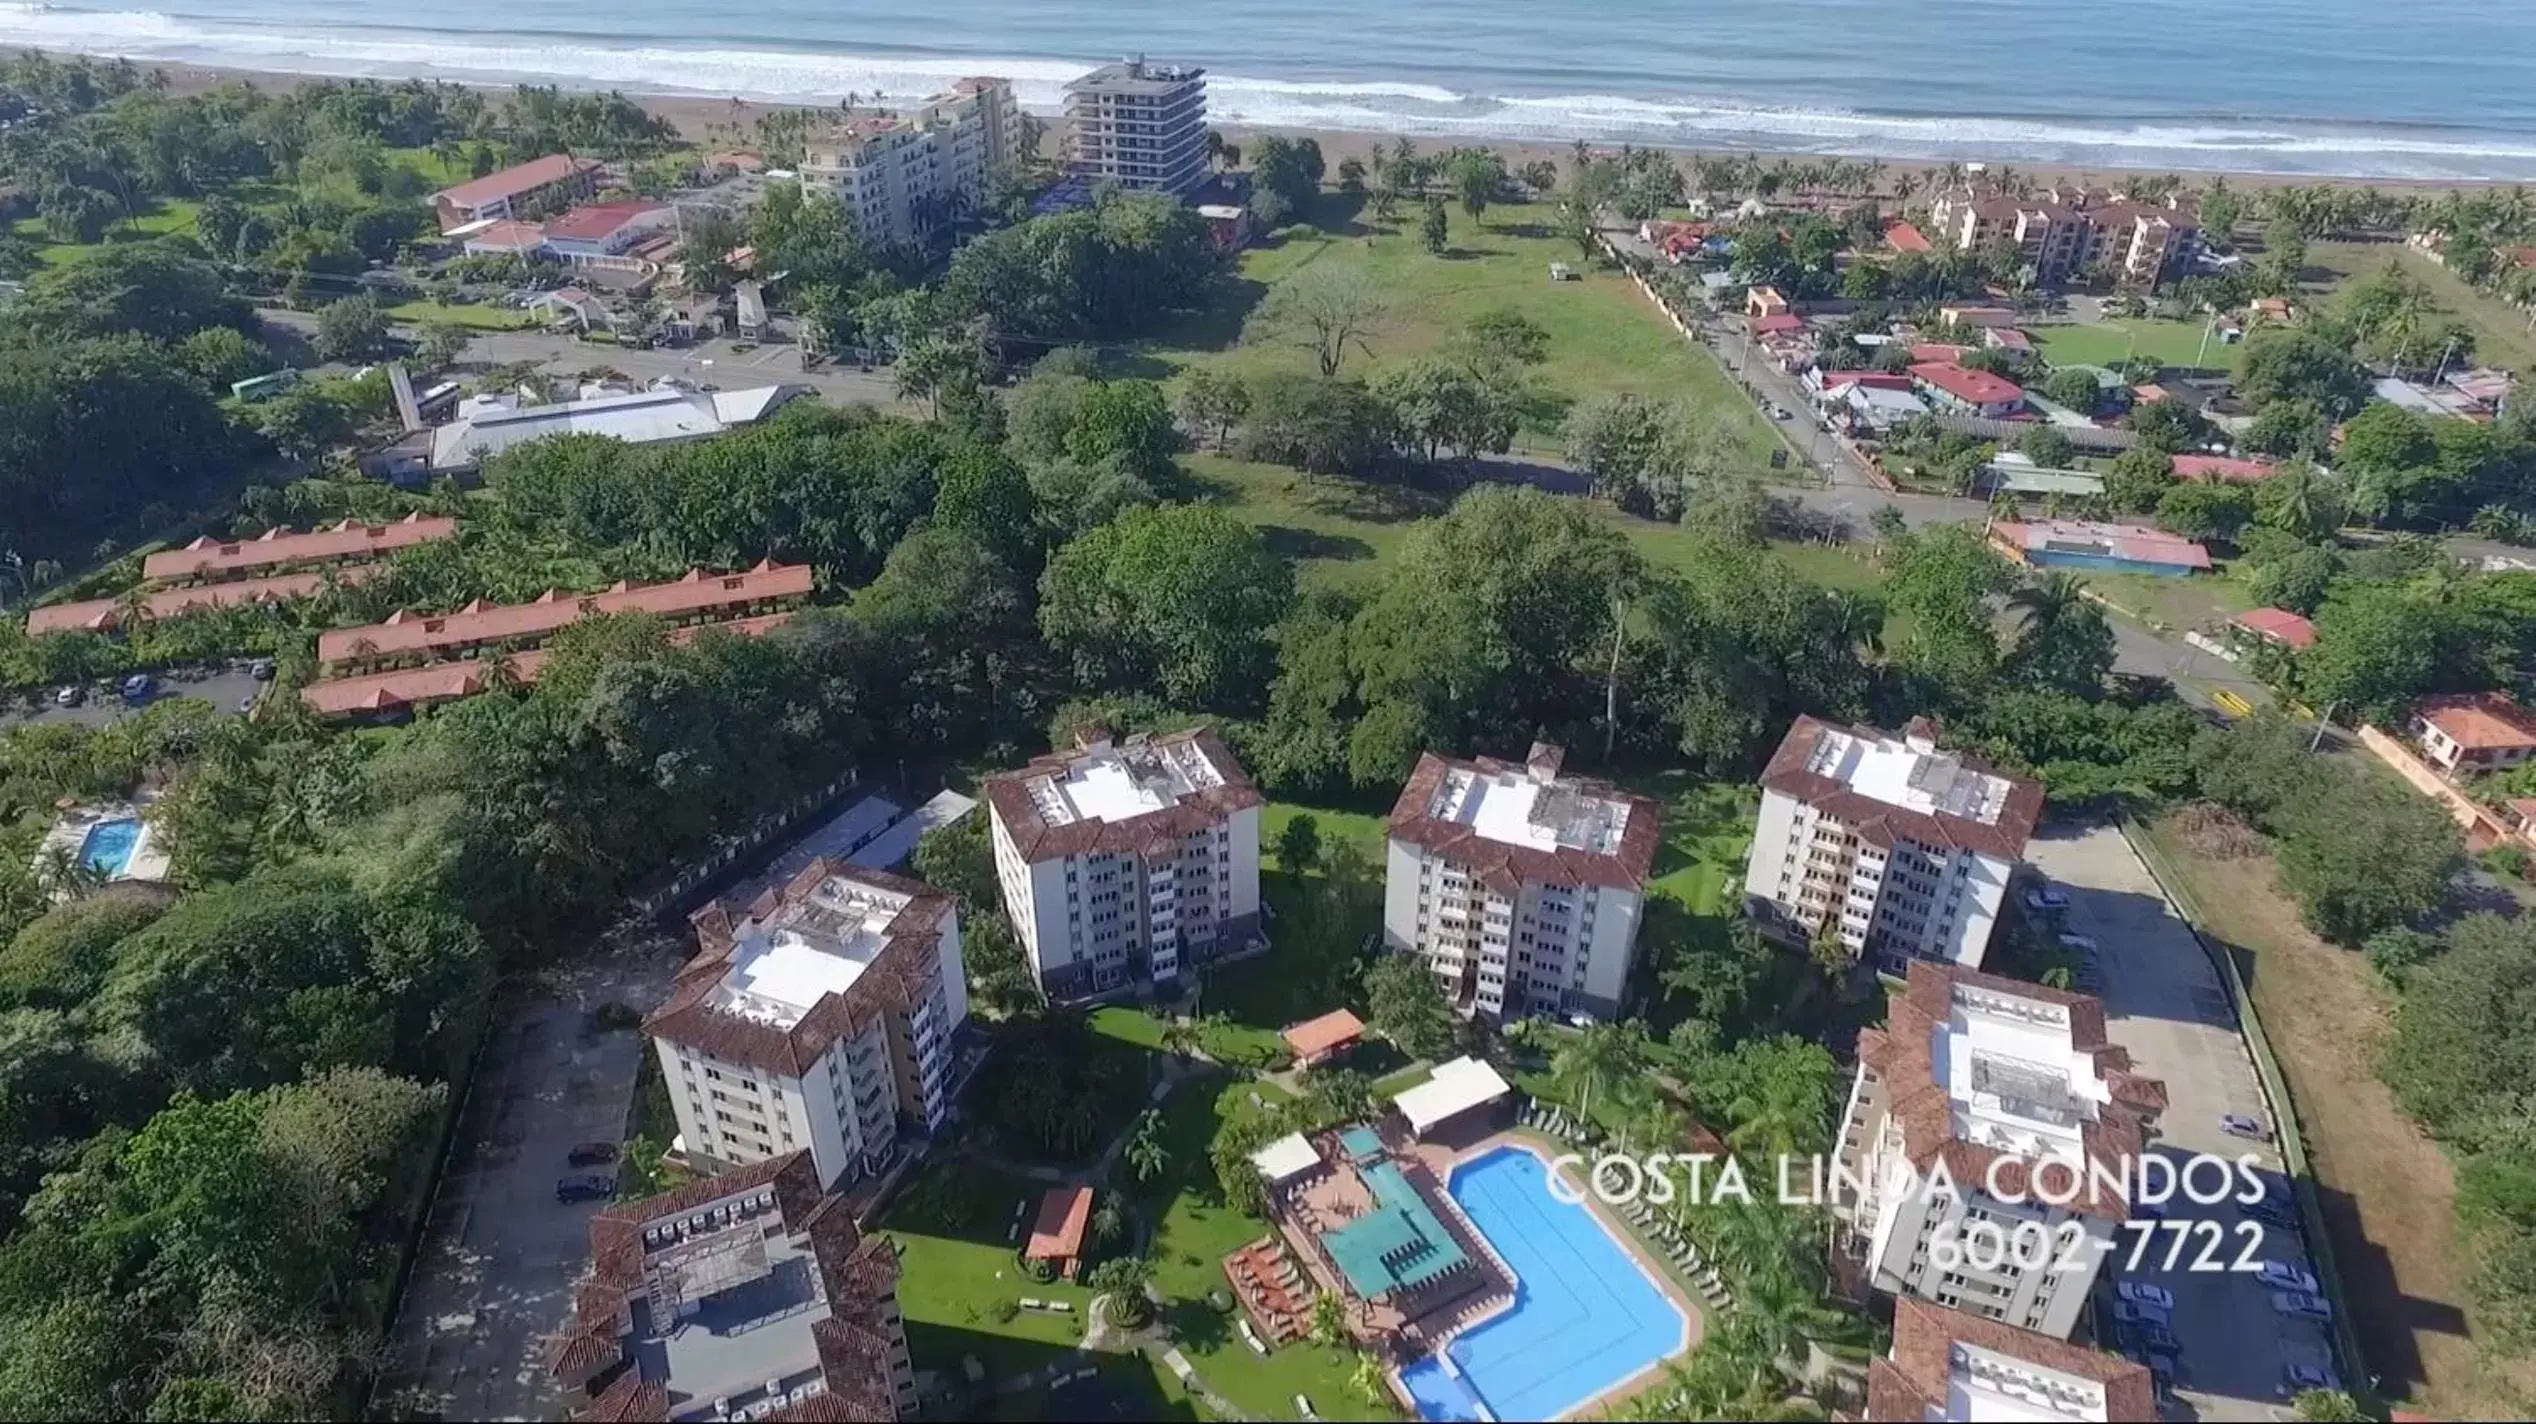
point(2389, 1194)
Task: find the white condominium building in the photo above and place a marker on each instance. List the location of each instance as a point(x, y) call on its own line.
point(1521, 888)
point(818, 1017)
point(1124, 862)
point(1949, 1365)
point(2010, 1086)
point(1900, 850)
point(902, 176)
point(1141, 126)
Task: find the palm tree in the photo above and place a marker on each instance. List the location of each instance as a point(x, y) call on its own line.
point(1602, 1061)
point(1147, 1155)
point(2048, 600)
point(1123, 1279)
point(65, 874)
point(1367, 1379)
point(1329, 1320)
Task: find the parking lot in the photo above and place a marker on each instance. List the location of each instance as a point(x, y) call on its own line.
point(227, 691)
point(2165, 1003)
point(493, 1278)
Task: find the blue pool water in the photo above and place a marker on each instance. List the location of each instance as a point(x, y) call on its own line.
point(108, 846)
point(1585, 1315)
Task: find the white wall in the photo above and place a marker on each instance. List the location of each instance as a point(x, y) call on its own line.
point(1401, 862)
point(1614, 945)
point(1244, 829)
point(1774, 843)
point(955, 977)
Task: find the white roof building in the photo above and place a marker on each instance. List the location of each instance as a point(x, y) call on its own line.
point(1288, 1156)
point(1457, 1087)
point(487, 426)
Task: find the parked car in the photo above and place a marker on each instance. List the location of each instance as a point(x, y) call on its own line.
point(585, 1186)
point(2145, 1294)
point(2078, 944)
point(261, 669)
point(70, 696)
point(2297, 1379)
point(2046, 898)
point(2281, 1275)
point(2302, 1304)
point(2134, 1313)
point(2240, 1125)
point(592, 1154)
point(2150, 1337)
point(138, 686)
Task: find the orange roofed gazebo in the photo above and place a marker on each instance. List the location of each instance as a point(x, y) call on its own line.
point(1319, 1040)
point(1056, 1234)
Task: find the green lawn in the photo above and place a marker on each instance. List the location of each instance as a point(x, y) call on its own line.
point(2171, 343)
point(475, 316)
point(1604, 337)
point(166, 216)
point(953, 1223)
point(2195, 601)
point(1194, 1230)
point(2501, 335)
point(1707, 832)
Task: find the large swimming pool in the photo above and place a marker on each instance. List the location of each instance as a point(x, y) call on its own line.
point(1586, 1315)
point(108, 845)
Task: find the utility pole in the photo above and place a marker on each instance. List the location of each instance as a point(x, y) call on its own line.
point(2321, 723)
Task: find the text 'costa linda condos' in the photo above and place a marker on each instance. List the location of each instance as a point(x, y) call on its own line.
point(903, 176)
point(1521, 888)
point(1127, 862)
point(1898, 850)
point(1992, 1079)
point(819, 1017)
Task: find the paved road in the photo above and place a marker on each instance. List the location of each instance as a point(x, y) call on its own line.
point(226, 691)
point(2165, 1003)
point(710, 362)
point(494, 1276)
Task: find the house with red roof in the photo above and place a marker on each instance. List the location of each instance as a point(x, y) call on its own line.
point(1902, 237)
point(1939, 351)
point(2278, 626)
point(605, 232)
point(2474, 731)
point(1965, 391)
point(501, 237)
point(556, 179)
point(2086, 544)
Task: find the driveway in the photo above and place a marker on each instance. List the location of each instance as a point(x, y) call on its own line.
point(226, 690)
point(493, 1278)
point(2165, 1003)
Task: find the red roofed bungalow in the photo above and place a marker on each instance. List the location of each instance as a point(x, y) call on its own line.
point(428, 636)
point(2222, 469)
point(2474, 731)
point(1319, 1040)
point(1056, 1234)
point(381, 694)
point(1779, 324)
point(104, 615)
point(2278, 625)
point(497, 195)
point(1902, 237)
point(209, 560)
point(1939, 351)
point(1872, 380)
point(1969, 391)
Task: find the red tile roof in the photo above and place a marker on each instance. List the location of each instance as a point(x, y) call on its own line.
point(408, 688)
point(1502, 866)
point(1915, 1382)
point(1777, 323)
point(479, 623)
point(2482, 721)
point(2136, 542)
point(2007, 338)
point(100, 615)
point(902, 973)
point(1872, 380)
point(595, 221)
point(1155, 832)
point(2280, 625)
point(1902, 1055)
point(1881, 823)
point(1902, 237)
point(2221, 467)
point(1966, 384)
point(1056, 1233)
point(1314, 1037)
point(1939, 351)
point(511, 182)
point(279, 548)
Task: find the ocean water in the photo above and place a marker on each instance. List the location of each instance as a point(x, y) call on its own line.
point(2344, 87)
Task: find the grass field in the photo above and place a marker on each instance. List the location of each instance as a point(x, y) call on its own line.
point(172, 215)
point(2501, 335)
point(1604, 337)
point(2178, 603)
point(1340, 529)
point(2389, 1193)
point(957, 1265)
point(1707, 834)
point(473, 316)
point(2171, 343)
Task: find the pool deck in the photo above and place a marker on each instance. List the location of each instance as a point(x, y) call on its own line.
point(148, 860)
point(1440, 1158)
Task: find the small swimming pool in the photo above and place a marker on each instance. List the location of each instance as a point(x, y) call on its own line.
point(107, 848)
point(1586, 1316)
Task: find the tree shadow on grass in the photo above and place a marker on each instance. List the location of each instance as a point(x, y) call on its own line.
point(1523, 229)
point(1470, 254)
point(1293, 543)
point(1198, 1326)
point(1216, 326)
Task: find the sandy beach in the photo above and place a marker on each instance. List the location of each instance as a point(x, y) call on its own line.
point(718, 121)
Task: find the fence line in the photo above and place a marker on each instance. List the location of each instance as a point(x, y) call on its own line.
point(2311, 1214)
